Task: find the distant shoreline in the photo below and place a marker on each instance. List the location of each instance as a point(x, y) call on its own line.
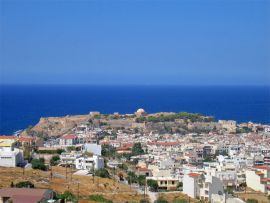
point(22, 106)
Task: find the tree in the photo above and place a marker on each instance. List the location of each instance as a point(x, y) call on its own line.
point(123, 167)
point(243, 186)
point(24, 184)
point(55, 160)
point(131, 178)
point(229, 189)
point(108, 150)
point(59, 151)
point(153, 185)
point(137, 149)
point(103, 173)
point(141, 180)
point(26, 151)
point(38, 164)
point(180, 185)
point(208, 159)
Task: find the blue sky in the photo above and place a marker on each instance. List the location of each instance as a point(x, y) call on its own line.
point(135, 42)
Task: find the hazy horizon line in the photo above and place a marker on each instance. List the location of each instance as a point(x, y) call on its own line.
point(157, 85)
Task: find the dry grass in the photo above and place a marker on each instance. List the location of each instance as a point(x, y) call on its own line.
point(262, 198)
point(107, 187)
point(176, 195)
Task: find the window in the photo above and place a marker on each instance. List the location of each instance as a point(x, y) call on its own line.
point(161, 182)
point(172, 182)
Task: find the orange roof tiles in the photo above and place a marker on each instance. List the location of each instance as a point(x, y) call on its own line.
point(8, 137)
point(165, 143)
point(263, 167)
point(143, 169)
point(194, 174)
point(26, 139)
point(259, 173)
point(69, 137)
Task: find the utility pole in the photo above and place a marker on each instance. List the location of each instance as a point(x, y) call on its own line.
point(114, 175)
point(78, 191)
point(93, 165)
point(51, 173)
point(66, 170)
point(71, 167)
point(144, 191)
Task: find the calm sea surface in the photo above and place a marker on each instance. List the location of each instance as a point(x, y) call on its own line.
point(21, 106)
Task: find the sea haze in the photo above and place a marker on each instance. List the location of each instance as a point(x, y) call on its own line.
point(21, 106)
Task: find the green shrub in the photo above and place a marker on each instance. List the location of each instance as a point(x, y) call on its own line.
point(144, 201)
point(68, 196)
point(153, 185)
point(24, 184)
point(99, 198)
point(137, 149)
point(161, 200)
point(179, 201)
point(108, 150)
point(103, 173)
point(38, 164)
point(46, 151)
point(60, 151)
point(252, 201)
point(55, 160)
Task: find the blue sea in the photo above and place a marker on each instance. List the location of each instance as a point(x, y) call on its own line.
point(21, 106)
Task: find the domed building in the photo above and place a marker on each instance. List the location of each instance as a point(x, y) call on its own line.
point(140, 112)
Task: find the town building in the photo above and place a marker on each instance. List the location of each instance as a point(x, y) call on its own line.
point(25, 195)
point(68, 140)
point(258, 178)
point(89, 163)
point(10, 154)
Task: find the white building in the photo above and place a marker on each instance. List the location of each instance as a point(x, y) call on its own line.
point(93, 148)
point(68, 140)
point(10, 156)
point(258, 178)
point(200, 186)
point(223, 199)
point(70, 157)
point(211, 185)
point(191, 184)
point(88, 163)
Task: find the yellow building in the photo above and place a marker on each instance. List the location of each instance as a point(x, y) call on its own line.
point(167, 183)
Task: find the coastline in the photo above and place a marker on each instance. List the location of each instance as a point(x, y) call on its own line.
point(22, 106)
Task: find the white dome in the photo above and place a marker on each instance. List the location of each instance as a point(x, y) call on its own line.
point(140, 111)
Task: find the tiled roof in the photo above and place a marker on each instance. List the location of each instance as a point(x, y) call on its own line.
point(8, 137)
point(194, 174)
point(263, 167)
point(26, 138)
point(69, 137)
point(165, 143)
point(23, 195)
point(143, 169)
